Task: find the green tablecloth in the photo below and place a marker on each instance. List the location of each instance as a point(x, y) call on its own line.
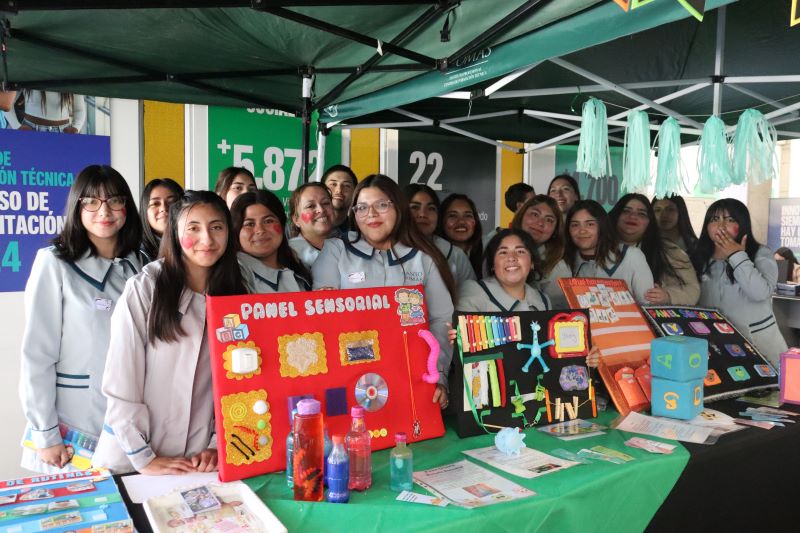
point(598, 497)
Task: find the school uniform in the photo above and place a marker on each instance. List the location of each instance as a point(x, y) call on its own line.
point(357, 265)
point(685, 290)
point(549, 282)
point(488, 296)
point(160, 400)
point(628, 264)
point(456, 258)
point(262, 279)
point(746, 302)
point(306, 252)
point(68, 307)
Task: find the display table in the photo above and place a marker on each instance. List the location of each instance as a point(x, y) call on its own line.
point(787, 313)
point(744, 482)
point(597, 497)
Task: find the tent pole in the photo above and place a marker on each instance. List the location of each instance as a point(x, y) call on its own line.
point(790, 78)
point(569, 126)
point(322, 141)
point(625, 92)
point(421, 22)
point(478, 117)
point(572, 89)
point(464, 133)
point(307, 83)
point(719, 58)
point(758, 96)
point(386, 125)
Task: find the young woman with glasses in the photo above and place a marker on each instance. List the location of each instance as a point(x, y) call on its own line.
point(676, 281)
point(71, 292)
point(385, 250)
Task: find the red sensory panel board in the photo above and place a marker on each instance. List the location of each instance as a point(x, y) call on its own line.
point(343, 348)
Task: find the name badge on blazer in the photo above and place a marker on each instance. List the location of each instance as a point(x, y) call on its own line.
point(102, 304)
point(356, 277)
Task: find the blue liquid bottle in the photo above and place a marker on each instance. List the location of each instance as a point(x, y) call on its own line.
point(401, 465)
point(290, 453)
point(338, 472)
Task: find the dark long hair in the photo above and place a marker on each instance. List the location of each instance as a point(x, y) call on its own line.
point(73, 241)
point(554, 246)
point(151, 241)
point(652, 245)
point(404, 231)
point(685, 229)
point(226, 177)
point(572, 183)
point(413, 188)
point(704, 249)
point(527, 240)
point(224, 279)
point(475, 243)
point(294, 201)
point(607, 243)
point(787, 254)
point(285, 254)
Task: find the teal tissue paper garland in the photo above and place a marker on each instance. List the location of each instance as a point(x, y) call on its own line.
point(636, 153)
point(670, 173)
point(754, 144)
point(593, 155)
point(713, 159)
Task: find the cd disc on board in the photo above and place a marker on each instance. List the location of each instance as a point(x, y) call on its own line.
point(371, 392)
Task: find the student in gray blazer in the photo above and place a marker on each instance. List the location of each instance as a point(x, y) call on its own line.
point(71, 292)
point(385, 250)
point(160, 416)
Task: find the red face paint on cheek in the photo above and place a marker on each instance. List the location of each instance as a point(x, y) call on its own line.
point(276, 228)
point(186, 242)
point(124, 212)
point(306, 217)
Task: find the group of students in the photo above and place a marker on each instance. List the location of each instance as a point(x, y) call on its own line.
point(115, 342)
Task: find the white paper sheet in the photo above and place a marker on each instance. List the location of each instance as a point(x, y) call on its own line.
point(468, 485)
point(141, 487)
point(661, 427)
point(529, 463)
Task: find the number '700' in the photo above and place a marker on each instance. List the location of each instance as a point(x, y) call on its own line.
point(273, 178)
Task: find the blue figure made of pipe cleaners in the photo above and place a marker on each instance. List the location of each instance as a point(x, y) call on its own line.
point(535, 348)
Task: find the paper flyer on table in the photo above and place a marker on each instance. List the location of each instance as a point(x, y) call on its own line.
point(468, 485)
point(528, 464)
point(660, 427)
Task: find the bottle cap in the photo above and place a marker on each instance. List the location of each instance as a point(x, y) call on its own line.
point(357, 411)
point(308, 406)
point(337, 439)
point(400, 436)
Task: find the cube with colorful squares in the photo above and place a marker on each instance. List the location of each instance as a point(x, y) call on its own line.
point(676, 399)
point(679, 358)
point(231, 320)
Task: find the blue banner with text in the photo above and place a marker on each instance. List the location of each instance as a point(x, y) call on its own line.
point(36, 172)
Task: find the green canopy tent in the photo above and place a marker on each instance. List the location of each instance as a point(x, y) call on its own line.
point(300, 56)
point(742, 55)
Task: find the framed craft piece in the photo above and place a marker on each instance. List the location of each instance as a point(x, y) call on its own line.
point(520, 370)
point(215, 507)
point(343, 348)
point(623, 335)
point(735, 366)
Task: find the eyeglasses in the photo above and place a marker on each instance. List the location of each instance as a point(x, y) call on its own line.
point(91, 204)
point(361, 210)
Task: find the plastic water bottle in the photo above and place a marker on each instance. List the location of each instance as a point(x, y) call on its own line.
point(401, 465)
point(338, 472)
point(357, 443)
point(289, 450)
point(308, 458)
point(327, 448)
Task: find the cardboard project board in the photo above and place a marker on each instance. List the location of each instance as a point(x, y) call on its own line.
point(344, 348)
point(623, 335)
point(500, 380)
point(81, 502)
point(735, 366)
